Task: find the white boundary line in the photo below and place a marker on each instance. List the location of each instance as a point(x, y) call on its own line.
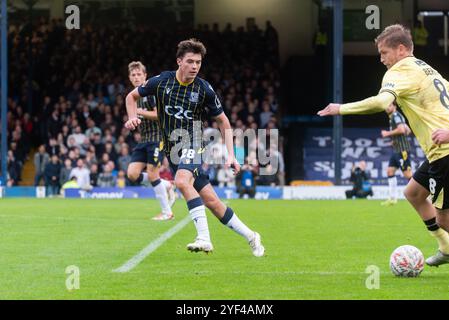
point(134, 261)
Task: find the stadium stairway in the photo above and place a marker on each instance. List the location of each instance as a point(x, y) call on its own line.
point(28, 170)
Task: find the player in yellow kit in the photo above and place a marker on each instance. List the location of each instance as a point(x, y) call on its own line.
point(423, 96)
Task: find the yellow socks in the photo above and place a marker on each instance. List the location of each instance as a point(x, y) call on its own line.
point(442, 238)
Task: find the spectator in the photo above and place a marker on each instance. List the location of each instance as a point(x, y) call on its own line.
point(165, 171)
point(274, 153)
point(106, 179)
point(71, 184)
point(115, 88)
point(109, 149)
point(71, 142)
point(18, 156)
point(124, 159)
point(91, 102)
point(52, 174)
point(72, 156)
point(90, 159)
point(64, 175)
point(99, 146)
point(269, 178)
point(91, 128)
point(54, 124)
point(82, 174)
point(103, 162)
point(216, 152)
point(13, 170)
point(41, 158)
point(266, 114)
point(225, 177)
point(121, 179)
point(119, 144)
point(94, 175)
point(84, 147)
point(78, 136)
point(53, 148)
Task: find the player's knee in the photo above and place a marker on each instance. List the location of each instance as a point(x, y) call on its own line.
point(182, 184)
point(132, 175)
point(409, 194)
point(413, 195)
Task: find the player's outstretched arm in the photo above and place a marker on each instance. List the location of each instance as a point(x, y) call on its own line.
point(226, 133)
point(151, 115)
point(131, 109)
point(402, 129)
point(332, 109)
point(370, 105)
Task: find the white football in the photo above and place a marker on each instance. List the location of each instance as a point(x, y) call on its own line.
point(406, 261)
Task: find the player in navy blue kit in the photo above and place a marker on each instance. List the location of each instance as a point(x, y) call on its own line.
point(148, 152)
point(400, 159)
point(182, 101)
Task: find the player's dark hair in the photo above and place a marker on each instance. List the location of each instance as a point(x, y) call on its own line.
point(136, 65)
point(394, 35)
point(192, 45)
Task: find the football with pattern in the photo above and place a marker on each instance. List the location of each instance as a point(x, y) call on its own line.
point(406, 261)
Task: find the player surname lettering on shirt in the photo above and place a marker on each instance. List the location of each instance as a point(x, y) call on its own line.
point(422, 94)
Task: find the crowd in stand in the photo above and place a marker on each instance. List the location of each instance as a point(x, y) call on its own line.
point(76, 114)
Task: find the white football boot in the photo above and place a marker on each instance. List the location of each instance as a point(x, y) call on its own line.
point(256, 245)
point(438, 259)
point(200, 245)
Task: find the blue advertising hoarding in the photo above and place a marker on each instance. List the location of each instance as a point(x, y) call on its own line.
point(357, 144)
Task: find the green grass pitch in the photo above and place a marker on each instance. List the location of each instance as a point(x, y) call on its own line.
point(314, 250)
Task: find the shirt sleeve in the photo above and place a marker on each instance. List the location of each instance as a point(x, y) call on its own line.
point(212, 102)
point(149, 88)
point(397, 83)
point(398, 119)
point(369, 105)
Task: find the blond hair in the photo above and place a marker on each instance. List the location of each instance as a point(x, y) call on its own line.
point(136, 65)
point(394, 35)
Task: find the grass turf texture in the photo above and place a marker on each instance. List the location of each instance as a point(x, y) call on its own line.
point(314, 250)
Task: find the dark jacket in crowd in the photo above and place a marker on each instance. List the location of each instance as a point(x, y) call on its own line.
point(52, 173)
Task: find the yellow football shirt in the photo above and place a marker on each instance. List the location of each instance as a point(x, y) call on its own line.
point(423, 96)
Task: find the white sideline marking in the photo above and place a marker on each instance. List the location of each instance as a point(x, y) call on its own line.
point(134, 261)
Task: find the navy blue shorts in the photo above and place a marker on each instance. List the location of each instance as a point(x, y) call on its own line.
point(191, 160)
point(148, 152)
point(400, 160)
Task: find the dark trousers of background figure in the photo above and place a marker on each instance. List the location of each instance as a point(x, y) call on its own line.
point(52, 189)
point(38, 177)
point(358, 193)
point(249, 191)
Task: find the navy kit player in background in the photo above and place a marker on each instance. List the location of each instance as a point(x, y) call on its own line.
point(400, 159)
point(182, 99)
point(148, 153)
